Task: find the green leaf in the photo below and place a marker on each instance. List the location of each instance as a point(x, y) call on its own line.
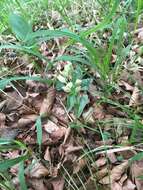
point(4, 82)
point(5, 164)
point(20, 27)
point(71, 100)
point(137, 157)
point(85, 83)
point(39, 132)
point(82, 103)
point(21, 176)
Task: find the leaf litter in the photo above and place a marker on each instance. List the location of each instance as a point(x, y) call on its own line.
point(105, 124)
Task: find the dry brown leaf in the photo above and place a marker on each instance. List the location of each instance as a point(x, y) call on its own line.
point(38, 171)
point(136, 171)
point(134, 100)
point(57, 183)
point(54, 130)
point(14, 101)
point(37, 184)
point(115, 174)
point(2, 120)
point(127, 86)
point(88, 116)
point(47, 104)
point(59, 112)
point(9, 133)
point(47, 155)
point(112, 157)
point(100, 162)
point(98, 112)
point(123, 178)
point(71, 149)
point(102, 173)
point(128, 185)
point(50, 127)
point(26, 120)
point(116, 186)
point(79, 165)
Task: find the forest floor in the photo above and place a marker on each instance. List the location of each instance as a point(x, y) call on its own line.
point(71, 96)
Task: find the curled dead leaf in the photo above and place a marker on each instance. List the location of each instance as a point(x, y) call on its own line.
point(88, 116)
point(38, 171)
point(26, 120)
point(134, 100)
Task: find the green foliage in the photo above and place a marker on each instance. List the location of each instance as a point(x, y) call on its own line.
point(21, 176)
point(39, 132)
point(6, 164)
point(71, 81)
point(4, 82)
point(20, 27)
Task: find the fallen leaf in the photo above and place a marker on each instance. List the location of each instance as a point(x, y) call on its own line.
point(9, 133)
point(136, 171)
point(38, 171)
point(128, 185)
point(38, 184)
point(57, 183)
point(14, 101)
point(26, 120)
point(102, 173)
point(79, 165)
point(98, 111)
point(50, 127)
point(115, 174)
point(112, 157)
point(123, 178)
point(116, 186)
point(71, 149)
point(47, 104)
point(100, 162)
point(127, 86)
point(134, 100)
point(88, 116)
point(2, 120)
point(47, 155)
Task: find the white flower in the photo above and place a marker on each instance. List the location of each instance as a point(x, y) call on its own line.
point(68, 87)
point(61, 78)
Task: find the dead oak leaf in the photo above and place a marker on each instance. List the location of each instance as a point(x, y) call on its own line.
point(115, 174)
